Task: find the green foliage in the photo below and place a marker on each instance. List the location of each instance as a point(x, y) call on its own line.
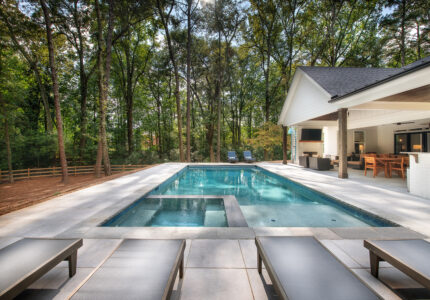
point(243, 53)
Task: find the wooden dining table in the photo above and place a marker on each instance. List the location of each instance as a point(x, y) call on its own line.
point(386, 162)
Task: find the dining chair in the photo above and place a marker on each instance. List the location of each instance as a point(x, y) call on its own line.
point(399, 166)
point(373, 164)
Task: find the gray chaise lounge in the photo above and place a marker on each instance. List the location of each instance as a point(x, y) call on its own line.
point(301, 268)
point(409, 256)
point(138, 269)
point(26, 260)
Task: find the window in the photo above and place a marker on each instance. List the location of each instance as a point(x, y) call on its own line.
point(359, 142)
point(412, 142)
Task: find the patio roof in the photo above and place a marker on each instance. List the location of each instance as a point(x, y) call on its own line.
point(377, 94)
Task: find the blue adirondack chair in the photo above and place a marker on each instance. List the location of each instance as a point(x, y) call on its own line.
point(232, 157)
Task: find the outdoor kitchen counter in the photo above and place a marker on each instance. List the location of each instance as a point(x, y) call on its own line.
point(419, 174)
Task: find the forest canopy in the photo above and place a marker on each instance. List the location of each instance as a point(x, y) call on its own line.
point(104, 81)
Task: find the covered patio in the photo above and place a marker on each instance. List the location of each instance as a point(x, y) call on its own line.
point(338, 115)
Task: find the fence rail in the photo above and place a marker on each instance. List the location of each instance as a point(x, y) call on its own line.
point(56, 171)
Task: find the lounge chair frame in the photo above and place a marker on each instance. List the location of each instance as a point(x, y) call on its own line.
point(69, 254)
point(377, 254)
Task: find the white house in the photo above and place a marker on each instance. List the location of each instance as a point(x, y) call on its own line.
point(359, 110)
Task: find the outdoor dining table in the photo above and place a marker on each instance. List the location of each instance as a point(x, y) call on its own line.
point(386, 162)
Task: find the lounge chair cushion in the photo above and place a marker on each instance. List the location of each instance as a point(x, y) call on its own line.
point(138, 269)
point(307, 270)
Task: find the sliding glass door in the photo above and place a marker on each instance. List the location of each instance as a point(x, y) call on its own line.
point(412, 142)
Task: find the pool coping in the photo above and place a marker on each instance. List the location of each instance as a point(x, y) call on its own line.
point(89, 227)
point(234, 215)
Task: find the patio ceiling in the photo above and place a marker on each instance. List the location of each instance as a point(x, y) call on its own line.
point(416, 99)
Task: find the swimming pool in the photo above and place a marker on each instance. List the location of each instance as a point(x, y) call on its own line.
point(171, 212)
point(267, 199)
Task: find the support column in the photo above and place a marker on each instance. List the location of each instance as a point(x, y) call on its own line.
point(284, 144)
point(342, 142)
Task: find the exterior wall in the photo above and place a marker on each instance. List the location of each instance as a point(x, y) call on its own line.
point(330, 140)
point(378, 139)
point(385, 139)
point(309, 101)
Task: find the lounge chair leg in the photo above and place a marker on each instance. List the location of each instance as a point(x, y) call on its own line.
point(72, 263)
point(259, 263)
point(181, 268)
point(374, 264)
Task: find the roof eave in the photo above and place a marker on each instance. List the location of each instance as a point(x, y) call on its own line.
point(336, 98)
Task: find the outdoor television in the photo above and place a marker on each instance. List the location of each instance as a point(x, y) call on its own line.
point(311, 134)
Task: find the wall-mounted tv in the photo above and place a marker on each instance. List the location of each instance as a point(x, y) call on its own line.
point(311, 134)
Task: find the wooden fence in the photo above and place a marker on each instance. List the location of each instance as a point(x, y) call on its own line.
point(56, 171)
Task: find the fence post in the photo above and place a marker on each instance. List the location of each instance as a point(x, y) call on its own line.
point(75, 170)
point(0, 177)
point(123, 168)
point(28, 173)
point(53, 171)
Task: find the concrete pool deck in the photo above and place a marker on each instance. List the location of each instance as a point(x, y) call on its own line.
point(225, 256)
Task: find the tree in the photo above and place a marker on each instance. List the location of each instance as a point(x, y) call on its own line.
point(28, 39)
point(76, 29)
point(268, 136)
point(165, 18)
point(104, 58)
point(55, 89)
point(5, 116)
point(133, 51)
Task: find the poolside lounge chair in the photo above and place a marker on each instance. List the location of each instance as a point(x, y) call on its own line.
point(301, 268)
point(247, 156)
point(232, 157)
point(409, 256)
point(26, 260)
point(138, 269)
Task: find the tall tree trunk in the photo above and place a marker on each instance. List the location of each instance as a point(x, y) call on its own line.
point(209, 140)
point(160, 148)
point(403, 34)
point(165, 21)
point(83, 125)
point(83, 81)
point(418, 40)
point(104, 75)
point(189, 4)
point(45, 101)
point(130, 103)
point(6, 135)
point(62, 151)
point(218, 98)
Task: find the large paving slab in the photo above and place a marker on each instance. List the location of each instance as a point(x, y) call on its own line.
point(216, 284)
point(215, 254)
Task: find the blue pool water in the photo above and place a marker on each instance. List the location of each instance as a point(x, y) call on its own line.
point(167, 212)
point(267, 199)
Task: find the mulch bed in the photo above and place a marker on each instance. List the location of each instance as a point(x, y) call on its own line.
point(25, 193)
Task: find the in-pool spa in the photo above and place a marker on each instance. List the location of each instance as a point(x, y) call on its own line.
point(167, 212)
point(265, 199)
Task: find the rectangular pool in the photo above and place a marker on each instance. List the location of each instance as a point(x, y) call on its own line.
point(168, 212)
point(267, 199)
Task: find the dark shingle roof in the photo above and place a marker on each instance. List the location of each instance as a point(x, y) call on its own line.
point(340, 82)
